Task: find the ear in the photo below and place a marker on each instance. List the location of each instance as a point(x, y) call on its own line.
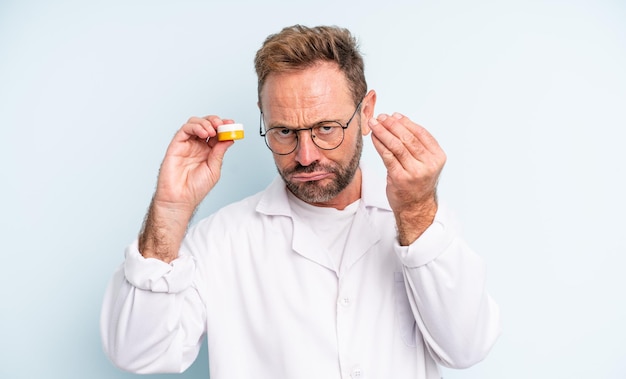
point(367, 111)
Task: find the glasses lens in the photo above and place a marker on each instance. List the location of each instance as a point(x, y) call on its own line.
point(281, 140)
point(328, 136)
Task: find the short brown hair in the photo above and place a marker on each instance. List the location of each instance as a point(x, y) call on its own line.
point(298, 47)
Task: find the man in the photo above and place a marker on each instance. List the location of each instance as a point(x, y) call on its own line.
point(328, 273)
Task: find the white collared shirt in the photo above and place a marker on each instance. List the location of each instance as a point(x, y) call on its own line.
point(272, 304)
point(331, 226)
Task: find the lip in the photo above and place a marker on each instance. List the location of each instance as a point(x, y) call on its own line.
point(310, 177)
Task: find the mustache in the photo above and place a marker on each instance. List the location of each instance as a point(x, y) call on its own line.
point(300, 169)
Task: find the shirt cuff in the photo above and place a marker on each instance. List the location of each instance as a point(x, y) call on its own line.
point(432, 243)
point(151, 274)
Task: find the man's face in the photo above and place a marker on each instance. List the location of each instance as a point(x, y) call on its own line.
point(302, 99)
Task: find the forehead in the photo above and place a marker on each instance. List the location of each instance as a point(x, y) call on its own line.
point(306, 96)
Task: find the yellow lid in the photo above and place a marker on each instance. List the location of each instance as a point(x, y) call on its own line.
point(228, 132)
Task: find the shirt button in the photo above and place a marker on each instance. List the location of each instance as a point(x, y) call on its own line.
point(356, 373)
point(345, 301)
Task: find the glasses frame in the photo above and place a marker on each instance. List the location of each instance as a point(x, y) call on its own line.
point(296, 131)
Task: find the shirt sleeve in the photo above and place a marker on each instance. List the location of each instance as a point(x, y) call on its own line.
point(445, 283)
point(152, 318)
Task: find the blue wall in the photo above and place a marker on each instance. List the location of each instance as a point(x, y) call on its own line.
point(526, 99)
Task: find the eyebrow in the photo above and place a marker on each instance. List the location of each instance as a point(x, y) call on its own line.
point(281, 125)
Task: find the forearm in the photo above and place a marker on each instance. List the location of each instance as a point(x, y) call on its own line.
point(163, 231)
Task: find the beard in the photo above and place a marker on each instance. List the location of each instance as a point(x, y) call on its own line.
point(313, 191)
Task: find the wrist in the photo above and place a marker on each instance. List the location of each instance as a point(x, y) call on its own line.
point(412, 221)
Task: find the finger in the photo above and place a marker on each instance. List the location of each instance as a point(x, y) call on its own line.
point(194, 128)
point(389, 158)
point(424, 148)
point(218, 150)
point(197, 127)
point(401, 129)
point(391, 147)
point(417, 131)
point(434, 157)
point(215, 122)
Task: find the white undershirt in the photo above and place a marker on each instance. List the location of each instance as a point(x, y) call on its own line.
point(330, 225)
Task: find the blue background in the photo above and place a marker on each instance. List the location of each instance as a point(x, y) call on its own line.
point(527, 98)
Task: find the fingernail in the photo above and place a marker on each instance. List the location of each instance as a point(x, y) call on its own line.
point(397, 115)
point(382, 117)
point(373, 121)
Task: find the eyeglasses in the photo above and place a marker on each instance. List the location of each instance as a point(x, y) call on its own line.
point(327, 135)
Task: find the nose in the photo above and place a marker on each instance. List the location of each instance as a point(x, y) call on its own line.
point(306, 151)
